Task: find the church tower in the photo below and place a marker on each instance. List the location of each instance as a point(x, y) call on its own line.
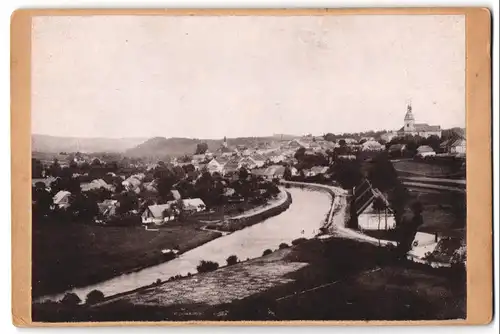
point(224, 143)
point(409, 119)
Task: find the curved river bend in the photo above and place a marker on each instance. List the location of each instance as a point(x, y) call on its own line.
point(303, 218)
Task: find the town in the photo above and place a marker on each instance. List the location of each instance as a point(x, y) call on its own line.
point(102, 215)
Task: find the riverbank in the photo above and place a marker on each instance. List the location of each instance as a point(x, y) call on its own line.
point(255, 216)
point(66, 256)
point(293, 284)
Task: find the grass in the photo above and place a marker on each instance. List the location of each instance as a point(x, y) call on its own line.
point(443, 212)
point(344, 280)
point(428, 169)
point(69, 255)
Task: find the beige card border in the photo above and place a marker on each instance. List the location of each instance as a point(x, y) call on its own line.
point(479, 163)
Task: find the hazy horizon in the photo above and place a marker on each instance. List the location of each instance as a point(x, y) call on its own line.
point(116, 77)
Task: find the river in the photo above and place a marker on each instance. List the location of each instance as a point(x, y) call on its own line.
point(303, 218)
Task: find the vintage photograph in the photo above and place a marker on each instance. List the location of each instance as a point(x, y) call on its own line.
point(245, 167)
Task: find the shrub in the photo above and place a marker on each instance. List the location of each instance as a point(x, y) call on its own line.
point(94, 296)
point(206, 266)
point(283, 245)
point(298, 241)
point(71, 299)
point(158, 281)
point(267, 252)
point(233, 259)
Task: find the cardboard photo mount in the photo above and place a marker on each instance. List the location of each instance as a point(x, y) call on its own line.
point(479, 157)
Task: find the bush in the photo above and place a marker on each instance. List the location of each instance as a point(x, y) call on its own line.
point(94, 296)
point(233, 259)
point(298, 241)
point(207, 266)
point(71, 299)
point(283, 245)
point(267, 252)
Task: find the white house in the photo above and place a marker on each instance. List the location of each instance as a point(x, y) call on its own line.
point(425, 151)
point(155, 214)
point(61, 199)
point(214, 166)
point(372, 145)
point(458, 146)
point(194, 204)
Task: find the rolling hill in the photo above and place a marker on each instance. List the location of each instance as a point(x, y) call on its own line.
point(52, 144)
point(156, 147)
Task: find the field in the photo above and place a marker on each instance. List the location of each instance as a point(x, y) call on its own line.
point(428, 169)
point(71, 254)
point(314, 280)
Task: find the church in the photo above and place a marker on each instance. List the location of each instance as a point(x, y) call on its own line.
point(414, 129)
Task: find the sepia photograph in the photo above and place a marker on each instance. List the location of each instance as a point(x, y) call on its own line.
point(248, 168)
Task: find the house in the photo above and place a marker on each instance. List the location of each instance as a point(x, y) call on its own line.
point(454, 146)
point(316, 170)
point(197, 158)
point(459, 146)
point(247, 162)
point(193, 204)
point(215, 166)
point(46, 181)
point(388, 136)
point(397, 149)
point(259, 172)
point(61, 199)
point(108, 207)
point(96, 184)
point(157, 214)
point(295, 144)
point(273, 172)
point(175, 194)
point(372, 145)
point(229, 192)
point(232, 166)
point(259, 159)
point(424, 151)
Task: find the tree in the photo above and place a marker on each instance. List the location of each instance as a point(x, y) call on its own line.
point(283, 245)
point(207, 266)
point(36, 169)
point(185, 158)
point(71, 299)
point(231, 260)
point(342, 143)
point(329, 137)
point(96, 162)
point(167, 213)
point(267, 252)
point(243, 173)
point(128, 201)
point(382, 174)
point(299, 154)
point(55, 168)
point(83, 206)
point(347, 173)
point(287, 174)
point(42, 201)
point(201, 148)
point(379, 206)
point(94, 296)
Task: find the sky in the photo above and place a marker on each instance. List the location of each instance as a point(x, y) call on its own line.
point(235, 76)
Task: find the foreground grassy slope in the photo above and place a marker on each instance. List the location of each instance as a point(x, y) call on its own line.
point(68, 255)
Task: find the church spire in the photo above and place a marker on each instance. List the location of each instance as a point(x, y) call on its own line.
point(409, 113)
